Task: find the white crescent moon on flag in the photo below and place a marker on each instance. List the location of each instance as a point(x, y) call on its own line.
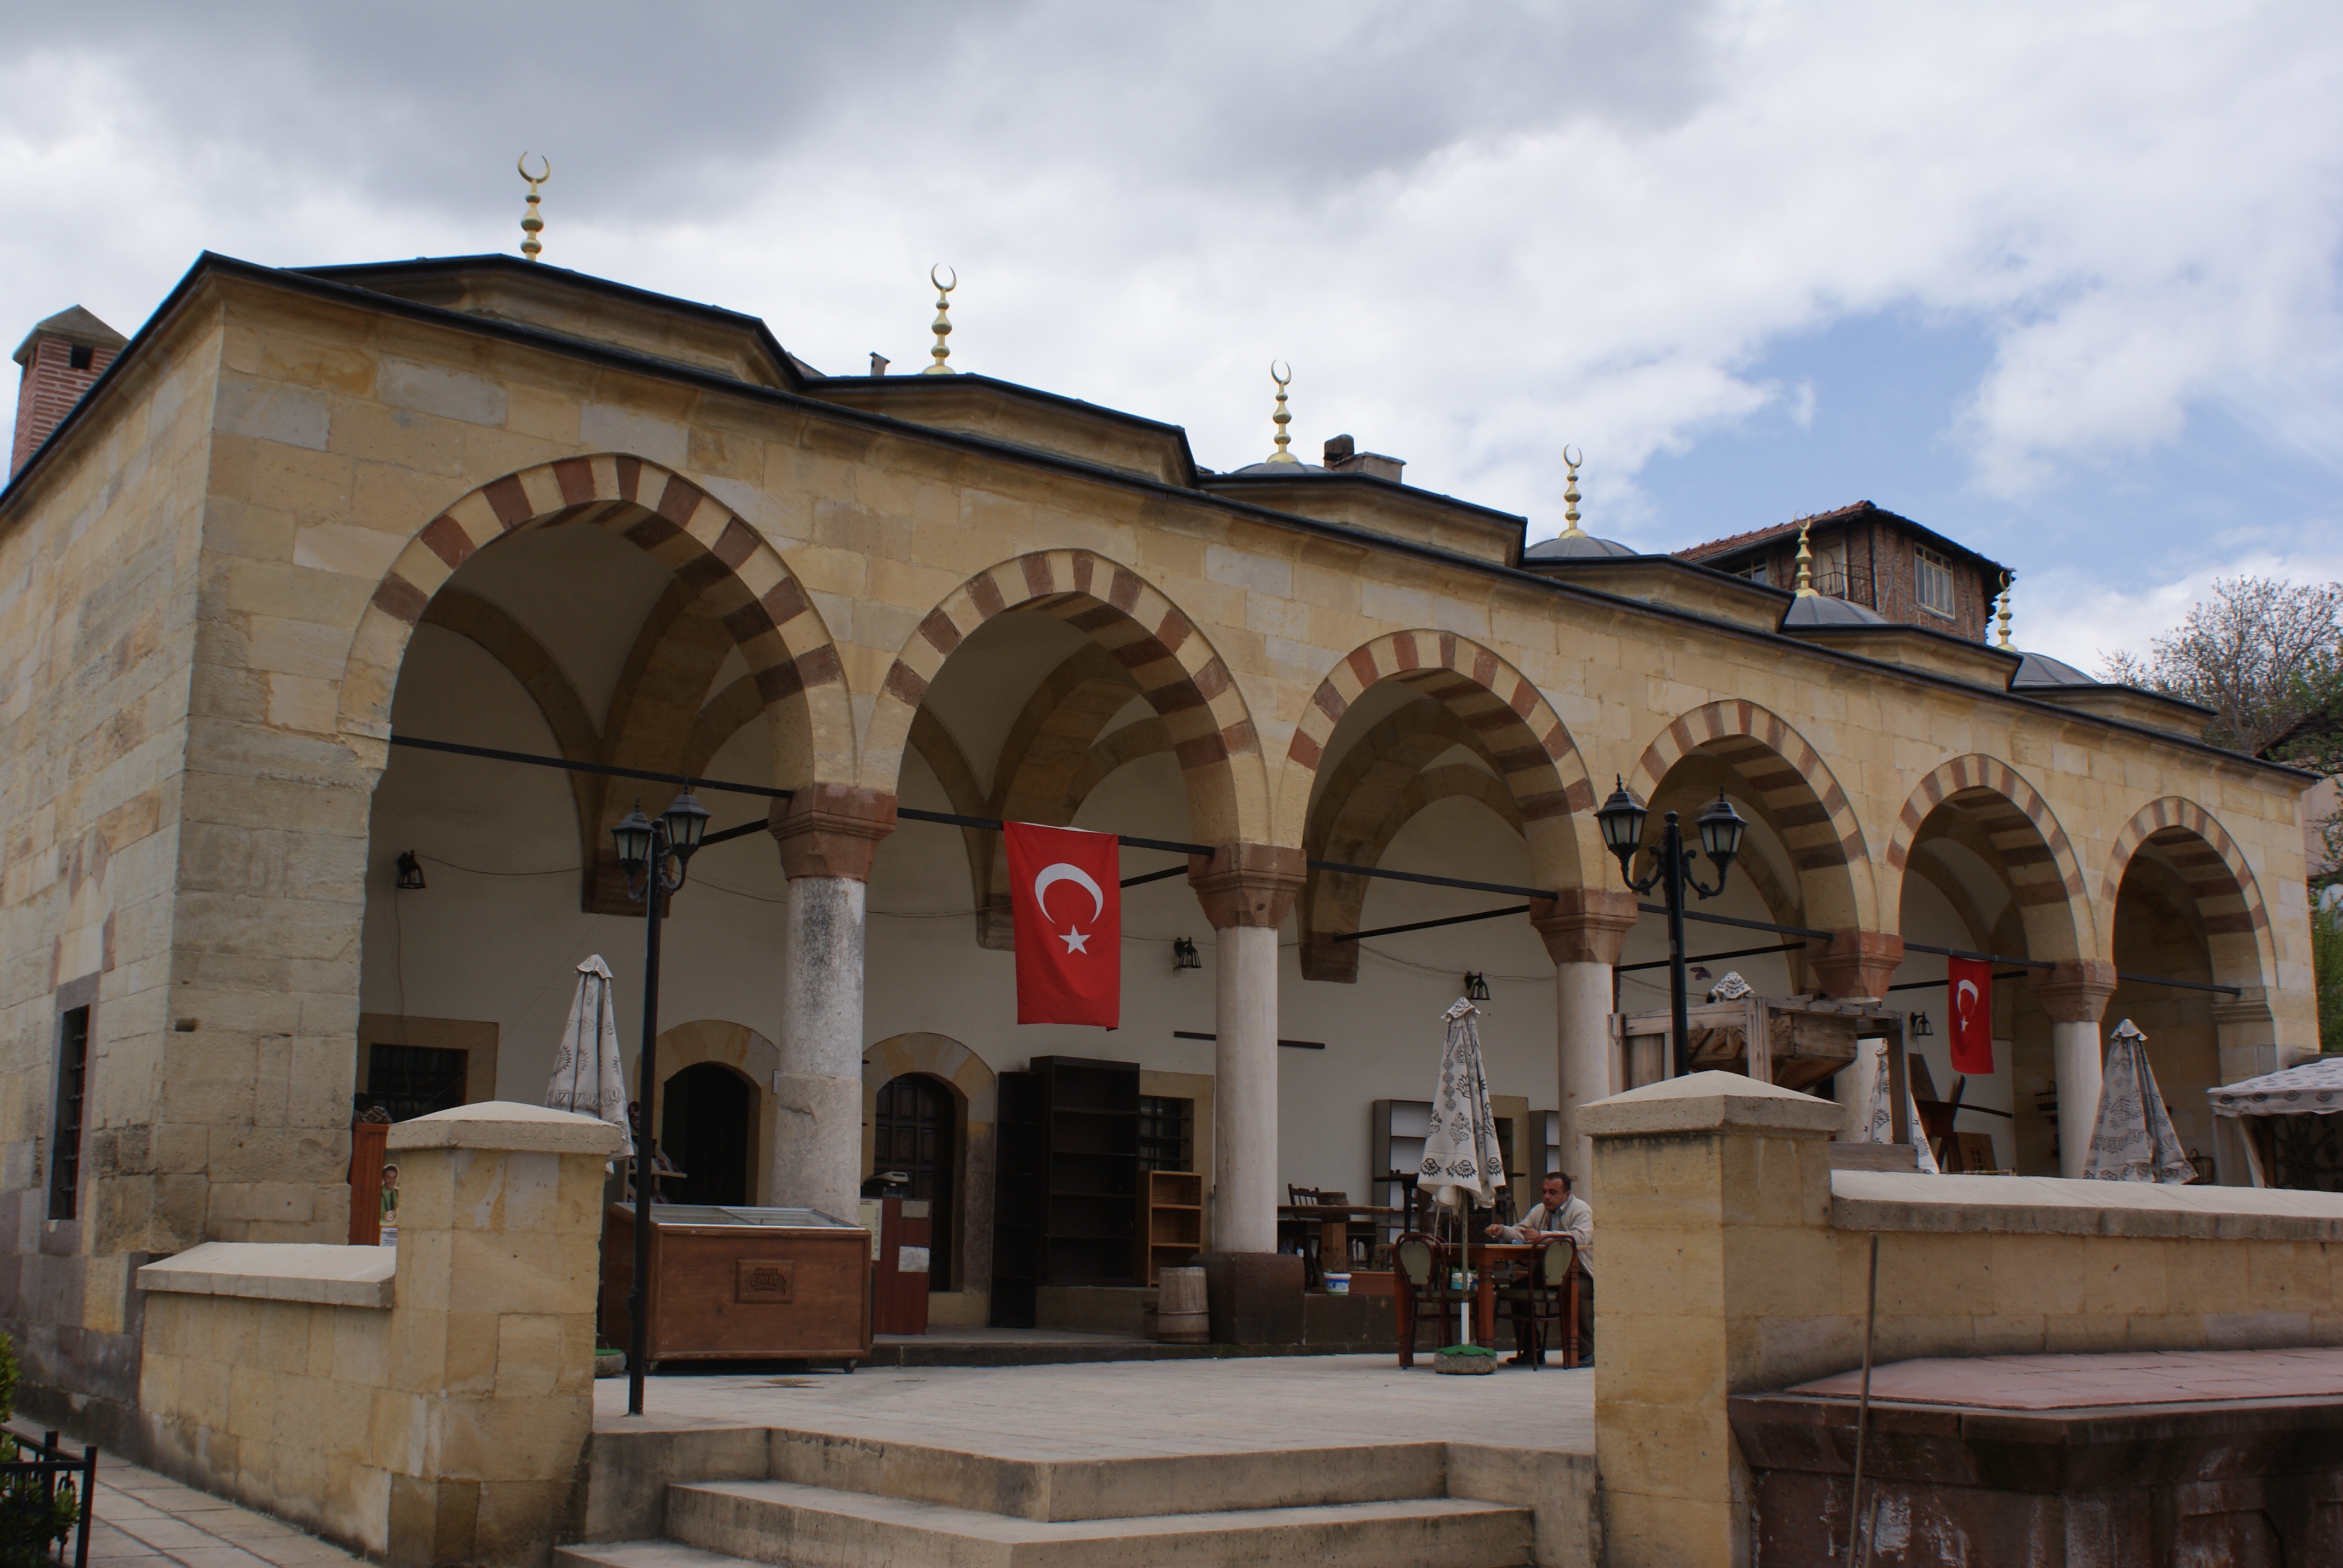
point(1965, 995)
point(1063, 872)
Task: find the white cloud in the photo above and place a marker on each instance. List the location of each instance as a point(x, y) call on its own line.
point(1475, 234)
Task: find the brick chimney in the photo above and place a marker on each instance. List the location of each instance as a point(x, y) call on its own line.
point(61, 357)
point(1343, 457)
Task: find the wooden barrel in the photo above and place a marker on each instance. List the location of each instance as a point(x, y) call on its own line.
point(1180, 1318)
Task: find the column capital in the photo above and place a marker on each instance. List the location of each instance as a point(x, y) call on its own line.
point(2076, 992)
point(832, 831)
point(1857, 963)
point(1585, 925)
point(1247, 884)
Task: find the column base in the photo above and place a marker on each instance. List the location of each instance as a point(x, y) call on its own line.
point(1252, 1298)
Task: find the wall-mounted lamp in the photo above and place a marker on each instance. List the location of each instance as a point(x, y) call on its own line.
point(1184, 955)
point(1921, 1027)
point(410, 872)
point(1476, 987)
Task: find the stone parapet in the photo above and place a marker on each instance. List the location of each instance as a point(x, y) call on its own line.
point(832, 831)
point(311, 1271)
point(1247, 884)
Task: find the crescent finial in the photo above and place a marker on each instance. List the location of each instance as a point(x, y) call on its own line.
point(1280, 372)
point(521, 165)
point(941, 287)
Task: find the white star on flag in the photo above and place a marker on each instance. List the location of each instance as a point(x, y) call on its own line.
point(1075, 942)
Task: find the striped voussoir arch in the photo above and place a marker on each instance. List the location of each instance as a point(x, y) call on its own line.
point(2042, 865)
point(713, 554)
point(1526, 739)
point(2228, 900)
point(1176, 669)
point(1800, 797)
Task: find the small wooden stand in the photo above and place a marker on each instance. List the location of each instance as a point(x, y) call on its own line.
point(1171, 1221)
point(1807, 1040)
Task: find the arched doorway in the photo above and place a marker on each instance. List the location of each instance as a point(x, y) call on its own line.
point(911, 1131)
point(706, 1125)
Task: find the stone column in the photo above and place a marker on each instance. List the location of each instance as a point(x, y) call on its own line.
point(828, 836)
point(1721, 1276)
point(1246, 891)
point(1583, 931)
point(2075, 998)
point(489, 1395)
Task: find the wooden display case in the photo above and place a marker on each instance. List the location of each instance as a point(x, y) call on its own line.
point(1066, 1177)
point(1171, 1221)
point(742, 1284)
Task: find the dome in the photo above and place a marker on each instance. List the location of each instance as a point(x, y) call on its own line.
point(1576, 546)
point(1821, 609)
point(2039, 669)
point(1288, 469)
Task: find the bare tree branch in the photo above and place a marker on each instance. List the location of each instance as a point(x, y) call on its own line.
point(2262, 653)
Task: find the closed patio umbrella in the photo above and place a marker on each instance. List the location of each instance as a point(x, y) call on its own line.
point(2132, 1139)
point(1464, 1165)
point(586, 1076)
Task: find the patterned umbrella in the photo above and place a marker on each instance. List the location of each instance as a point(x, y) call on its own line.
point(1461, 1154)
point(586, 1076)
point(1881, 1129)
point(2132, 1139)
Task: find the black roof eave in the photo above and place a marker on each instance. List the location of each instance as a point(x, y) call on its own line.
point(210, 264)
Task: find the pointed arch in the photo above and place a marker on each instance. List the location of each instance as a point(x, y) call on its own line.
point(1798, 793)
point(2045, 875)
point(2228, 900)
point(1514, 726)
point(717, 558)
point(1167, 655)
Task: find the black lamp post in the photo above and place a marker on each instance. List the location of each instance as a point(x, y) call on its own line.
point(1721, 826)
point(646, 846)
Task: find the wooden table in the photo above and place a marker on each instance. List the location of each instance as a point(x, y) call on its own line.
point(1333, 1221)
point(1485, 1259)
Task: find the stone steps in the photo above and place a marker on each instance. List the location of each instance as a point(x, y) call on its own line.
point(782, 1522)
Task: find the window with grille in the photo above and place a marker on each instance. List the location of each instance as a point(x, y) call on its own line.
point(1166, 1134)
point(1755, 572)
point(410, 1080)
point(1932, 582)
point(65, 1142)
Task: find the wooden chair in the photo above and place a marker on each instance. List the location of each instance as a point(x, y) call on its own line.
point(1421, 1292)
point(1546, 1292)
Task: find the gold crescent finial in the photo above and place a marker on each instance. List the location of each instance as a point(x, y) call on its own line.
point(532, 222)
point(1571, 458)
point(943, 350)
point(2005, 611)
point(1805, 564)
point(1282, 373)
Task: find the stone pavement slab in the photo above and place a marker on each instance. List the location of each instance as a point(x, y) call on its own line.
point(148, 1520)
point(2081, 1381)
point(1133, 1409)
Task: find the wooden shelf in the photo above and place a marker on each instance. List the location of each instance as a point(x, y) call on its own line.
point(1172, 1219)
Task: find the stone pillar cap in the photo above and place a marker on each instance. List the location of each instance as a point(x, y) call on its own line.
point(1710, 1102)
point(507, 1124)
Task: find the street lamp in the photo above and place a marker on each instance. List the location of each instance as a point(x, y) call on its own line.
point(646, 847)
point(1621, 818)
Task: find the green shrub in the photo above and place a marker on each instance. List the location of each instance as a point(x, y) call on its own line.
point(2326, 967)
point(31, 1518)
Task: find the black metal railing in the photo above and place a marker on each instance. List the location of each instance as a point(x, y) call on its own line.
point(46, 1500)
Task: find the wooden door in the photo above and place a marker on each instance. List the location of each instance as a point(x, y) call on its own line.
point(708, 1114)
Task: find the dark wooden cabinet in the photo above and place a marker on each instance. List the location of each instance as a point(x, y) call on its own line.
point(1065, 1204)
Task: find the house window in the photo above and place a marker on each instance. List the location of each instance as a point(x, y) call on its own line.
point(80, 357)
point(65, 1142)
point(410, 1080)
point(1167, 1138)
point(1755, 572)
point(1933, 581)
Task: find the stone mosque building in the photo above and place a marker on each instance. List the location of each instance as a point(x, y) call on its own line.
point(491, 504)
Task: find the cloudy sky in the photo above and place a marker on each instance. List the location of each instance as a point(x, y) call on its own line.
point(2058, 280)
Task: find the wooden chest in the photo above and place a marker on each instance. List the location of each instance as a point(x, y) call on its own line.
point(741, 1284)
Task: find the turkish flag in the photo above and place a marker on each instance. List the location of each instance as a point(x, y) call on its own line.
point(1065, 892)
point(1968, 986)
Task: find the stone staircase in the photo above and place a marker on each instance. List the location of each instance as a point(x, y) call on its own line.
point(828, 1501)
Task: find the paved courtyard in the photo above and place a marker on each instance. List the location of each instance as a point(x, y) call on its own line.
point(1125, 1409)
point(149, 1521)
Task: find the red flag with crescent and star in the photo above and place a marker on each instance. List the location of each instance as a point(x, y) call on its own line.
point(1968, 986)
point(1065, 893)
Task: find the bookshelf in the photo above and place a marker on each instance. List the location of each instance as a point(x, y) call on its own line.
point(1171, 1221)
point(1396, 1130)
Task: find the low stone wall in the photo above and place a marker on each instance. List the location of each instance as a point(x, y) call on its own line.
point(1735, 1260)
point(427, 1405)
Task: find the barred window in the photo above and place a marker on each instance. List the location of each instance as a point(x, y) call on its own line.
point(1933, 581)
point(65, 1142)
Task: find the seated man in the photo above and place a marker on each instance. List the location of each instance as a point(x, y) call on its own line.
point(1562, 1215)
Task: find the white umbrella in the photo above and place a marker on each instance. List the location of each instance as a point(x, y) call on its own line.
point(1462, 1158)
point(1881, 1129)
point(1460, 1153)
point(587, 1075)
point(2132, 1139)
